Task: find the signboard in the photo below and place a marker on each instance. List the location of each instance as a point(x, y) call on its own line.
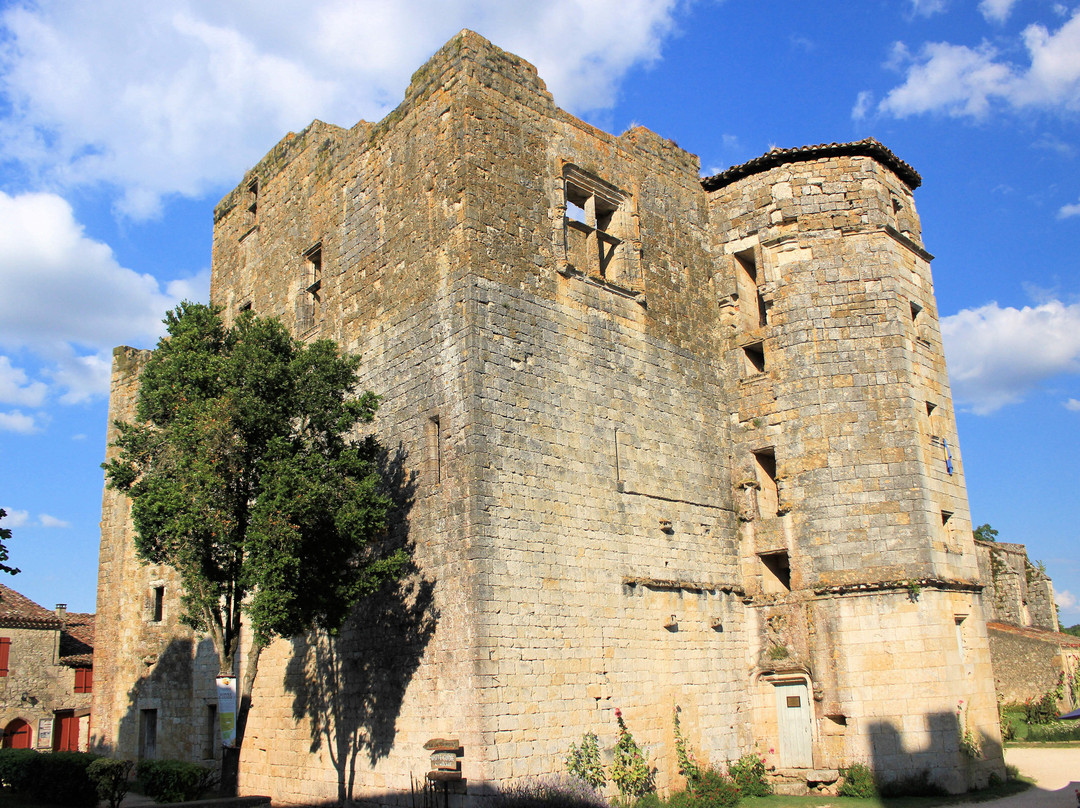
point(226, 710)
point(446, 754)
point(44, 733)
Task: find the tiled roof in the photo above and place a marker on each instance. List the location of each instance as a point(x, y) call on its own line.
point(18, 611)
point(77, 640)
point(776, 157)
point(1045, 635)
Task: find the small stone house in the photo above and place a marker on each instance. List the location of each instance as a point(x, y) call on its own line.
point(46, 675)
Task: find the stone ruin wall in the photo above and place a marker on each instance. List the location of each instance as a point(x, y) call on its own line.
point(572, 440)
point(1020, 593)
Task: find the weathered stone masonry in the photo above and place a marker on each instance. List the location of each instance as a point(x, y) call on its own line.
point(675, 442)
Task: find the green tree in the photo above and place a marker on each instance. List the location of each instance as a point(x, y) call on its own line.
point(984, 533)
point(246, 477)
point(5, 536)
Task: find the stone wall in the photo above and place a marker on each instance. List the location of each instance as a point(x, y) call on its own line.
point(1031, 662)
point(609, 504)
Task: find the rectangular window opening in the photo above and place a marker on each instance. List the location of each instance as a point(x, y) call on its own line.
point(748, 286)
point(755, 358)
point(253, 197)
point(776, 572)
point(435, 448)
point(594, 226)
point(158, 604)
point(959, 620)
point(768, 493)
point(309, 299)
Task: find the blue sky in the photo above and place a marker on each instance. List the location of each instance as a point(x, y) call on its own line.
point(123, 122)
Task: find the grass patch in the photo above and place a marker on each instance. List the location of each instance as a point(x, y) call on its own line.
point(1008, 789)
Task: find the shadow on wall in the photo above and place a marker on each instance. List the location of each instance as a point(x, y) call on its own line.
point(939, 760)
point(164, 692)
point(350, 687)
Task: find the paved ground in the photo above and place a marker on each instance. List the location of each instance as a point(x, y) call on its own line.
point(1056, 773)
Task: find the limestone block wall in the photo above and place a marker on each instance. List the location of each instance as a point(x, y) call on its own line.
point(1031, 662)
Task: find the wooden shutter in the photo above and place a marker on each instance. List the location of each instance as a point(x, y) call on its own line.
point(5, 648)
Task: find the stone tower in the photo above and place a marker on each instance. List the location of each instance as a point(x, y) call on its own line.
point(664, 442)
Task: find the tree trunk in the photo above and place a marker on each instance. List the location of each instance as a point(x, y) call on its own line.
point(230, 755)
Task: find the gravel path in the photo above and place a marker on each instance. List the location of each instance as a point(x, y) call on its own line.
point(1056, 773)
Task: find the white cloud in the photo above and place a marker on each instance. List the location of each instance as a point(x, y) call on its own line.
point(1068, 211)
point(964, 81)
point(17, 421)
point(68, 301)
point(177, 98)
point(997, 10)
point(1073, 404)
point(16, 518)
point(16, 387)
point(996, 355)
point(863, 102)
point(927, 8)
point(1066, 601)
point(51, 521)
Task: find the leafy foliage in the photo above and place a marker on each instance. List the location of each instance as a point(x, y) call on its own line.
point(57, 778)
point(629, 771)
point(688, 765)
point(1055, 731)
point(584, 762)
point(748, 773)
point(174, 780)
point(714, 790)
point(246, 477)
point(1041, 710)
point(984, 533)
point(858, 781)
point(5, 536)
point(110, 777)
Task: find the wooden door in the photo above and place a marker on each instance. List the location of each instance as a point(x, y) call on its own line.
point(794, 720)
point(18, 735)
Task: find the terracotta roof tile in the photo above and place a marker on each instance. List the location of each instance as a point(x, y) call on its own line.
point(77, 640)
point(18, 611)
point(776, 157)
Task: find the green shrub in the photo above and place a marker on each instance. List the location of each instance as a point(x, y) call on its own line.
point(173, 780)
point(916, 784)
point(15, 768)
point(59, 778)
point(110, 777)
point(714, 790)
point(748, 774)
point(1041, 710)
point(858, 781)
point(682, 799)
point(650, 800)
point(584, 761)
point(629, 771)
point(1055, 731)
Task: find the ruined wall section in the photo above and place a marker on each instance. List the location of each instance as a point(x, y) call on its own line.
point(384, 207)
point(1018, 592)
point(606, 554)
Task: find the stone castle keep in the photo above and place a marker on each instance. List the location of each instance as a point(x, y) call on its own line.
point(659, 440)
